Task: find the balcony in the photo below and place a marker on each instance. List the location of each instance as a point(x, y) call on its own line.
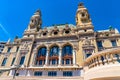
point(67, 56)
point(104, 48)
point(54, 57)
point(41, 57)
point(103, 65)
point(88, 46)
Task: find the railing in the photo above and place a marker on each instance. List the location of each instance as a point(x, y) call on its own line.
point(104, 48)
point(106, 57)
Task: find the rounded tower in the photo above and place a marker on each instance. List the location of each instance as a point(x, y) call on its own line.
point(82, 16)
point(35, 21)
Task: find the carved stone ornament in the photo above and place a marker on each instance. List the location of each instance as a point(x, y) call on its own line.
point(87, 41)
point(25, 48)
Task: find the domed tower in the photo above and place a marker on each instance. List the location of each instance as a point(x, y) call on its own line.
point(36, 21)
point(82, 16)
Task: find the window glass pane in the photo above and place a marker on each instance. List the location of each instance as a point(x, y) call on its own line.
point(40, 62)
point(52, 73)
point(67, 73)
point(53, 61)
point(67, 50)
point(22, 60)
point(99, 43)
point(4, 62)
point(17, 49)
point(87, 55)
point(42, 51)
point(13, 61)
point(9, 49)
point(67, 61)
point(113, 43)
point(37, 73)
point(54, 51)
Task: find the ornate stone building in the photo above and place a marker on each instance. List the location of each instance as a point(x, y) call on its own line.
point(62, 51)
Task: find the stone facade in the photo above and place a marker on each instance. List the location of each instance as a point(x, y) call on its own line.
point(63, 51)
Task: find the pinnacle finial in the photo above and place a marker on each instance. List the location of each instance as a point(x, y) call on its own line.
point(81, 4)
point(38, 12)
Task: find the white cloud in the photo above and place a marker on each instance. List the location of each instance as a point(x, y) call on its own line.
point(5, 31)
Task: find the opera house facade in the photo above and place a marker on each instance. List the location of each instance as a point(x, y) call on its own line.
point(64, 51)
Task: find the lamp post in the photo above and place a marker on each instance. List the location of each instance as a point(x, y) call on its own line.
point(16, 68)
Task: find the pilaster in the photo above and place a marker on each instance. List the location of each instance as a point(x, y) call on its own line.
point(60, 57)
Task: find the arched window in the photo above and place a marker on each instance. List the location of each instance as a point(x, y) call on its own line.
point(42, 51)
point(67, 50)
point(67, 55)
point(54, 51)
point(40, 59)
point(53, 56)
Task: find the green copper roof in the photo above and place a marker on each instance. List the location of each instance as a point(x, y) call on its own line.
point(60, 26)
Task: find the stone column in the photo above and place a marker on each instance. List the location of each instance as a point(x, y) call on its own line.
point(74, 57)
point(46, 59)
point(60, 57)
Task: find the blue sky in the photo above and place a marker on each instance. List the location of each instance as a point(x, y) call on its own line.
point(15, 14)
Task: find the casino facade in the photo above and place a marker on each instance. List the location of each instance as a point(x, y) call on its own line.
point(63, 51)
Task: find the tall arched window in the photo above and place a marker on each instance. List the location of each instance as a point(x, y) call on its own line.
point(53, 56)
point(67, 50)
point(67, 58)
point(42, 51)
point(54, 51)
point(40, 60)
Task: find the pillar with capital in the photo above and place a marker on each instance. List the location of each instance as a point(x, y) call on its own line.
point(60, 57)
point(74, 57)
point(46, 59)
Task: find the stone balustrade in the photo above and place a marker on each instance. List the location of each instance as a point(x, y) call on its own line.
point(106, 57)
point(103, 65)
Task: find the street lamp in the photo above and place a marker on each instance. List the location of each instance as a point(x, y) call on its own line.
point(16, 68)
point(13, 68)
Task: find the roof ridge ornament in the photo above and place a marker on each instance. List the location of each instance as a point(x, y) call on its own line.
point(81, 4)
point(38, 12)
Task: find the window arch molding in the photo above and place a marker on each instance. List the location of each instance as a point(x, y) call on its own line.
point(55, 31)
point(42, 51)
point(67, 29)
point(44, 32)
point(40, 46)
point(54, 44)
point(67, 43)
